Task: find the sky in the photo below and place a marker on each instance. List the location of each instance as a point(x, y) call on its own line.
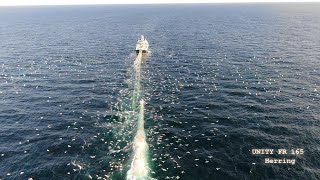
point(75, 2)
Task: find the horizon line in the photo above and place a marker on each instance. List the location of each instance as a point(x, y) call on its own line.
point(165, 3)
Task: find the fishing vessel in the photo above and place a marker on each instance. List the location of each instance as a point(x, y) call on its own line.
point(142, 45)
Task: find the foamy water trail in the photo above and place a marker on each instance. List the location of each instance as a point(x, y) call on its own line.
point(137, 82)
point(139, 59)
point(139, 168)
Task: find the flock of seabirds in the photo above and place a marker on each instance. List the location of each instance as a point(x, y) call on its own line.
point(135, 139)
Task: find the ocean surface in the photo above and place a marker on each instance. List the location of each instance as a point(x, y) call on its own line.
point(219, 81)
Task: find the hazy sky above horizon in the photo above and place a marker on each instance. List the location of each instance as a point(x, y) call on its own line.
point(75, 2)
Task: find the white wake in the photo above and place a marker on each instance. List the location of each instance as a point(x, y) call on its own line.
point(139, 168)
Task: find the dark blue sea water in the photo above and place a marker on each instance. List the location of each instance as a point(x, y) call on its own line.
point(220, 80)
